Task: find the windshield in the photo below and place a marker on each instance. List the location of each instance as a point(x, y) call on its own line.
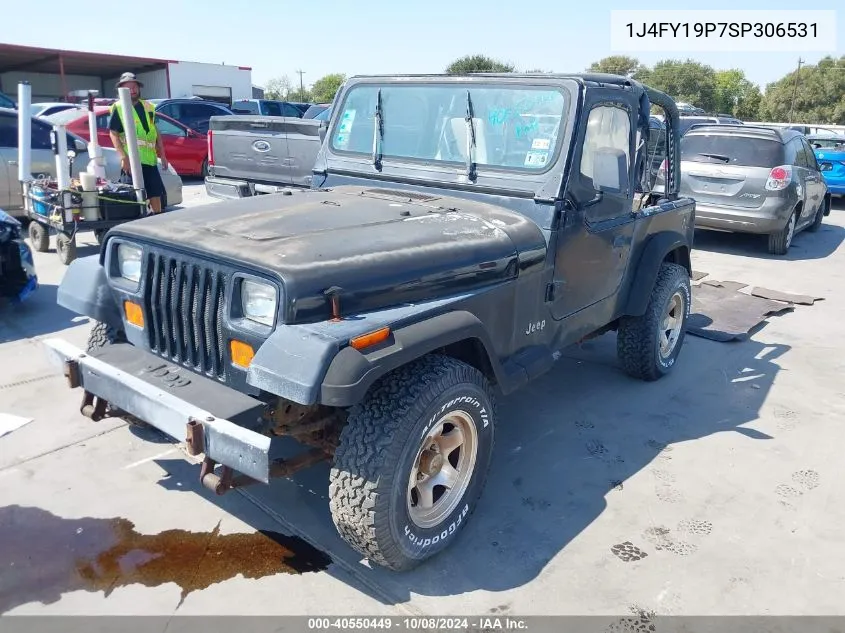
point(515, 127)
point(731, 149)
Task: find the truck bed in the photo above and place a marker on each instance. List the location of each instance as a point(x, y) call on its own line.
point(251, 153)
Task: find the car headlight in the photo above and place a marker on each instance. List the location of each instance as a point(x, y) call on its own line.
point(258, 301)
point(129, 262)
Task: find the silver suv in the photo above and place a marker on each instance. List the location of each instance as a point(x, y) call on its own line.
point(751, 179)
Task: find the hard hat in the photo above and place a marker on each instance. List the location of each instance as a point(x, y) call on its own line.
point(127, 77)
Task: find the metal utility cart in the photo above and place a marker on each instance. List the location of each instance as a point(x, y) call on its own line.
point(89, 203)
point(69, 211)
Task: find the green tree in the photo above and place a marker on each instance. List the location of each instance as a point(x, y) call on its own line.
point(813, 94)
point(736, 95)
point(278, 88)
point(685, 80)
point(325, 88)
point(618, 65)
point(478, 64)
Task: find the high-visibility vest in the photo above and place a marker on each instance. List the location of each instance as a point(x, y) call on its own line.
point(146, 139)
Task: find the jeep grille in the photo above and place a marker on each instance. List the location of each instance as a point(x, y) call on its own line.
point(185, 301)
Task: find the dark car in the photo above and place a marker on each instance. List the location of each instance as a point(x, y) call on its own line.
point(267, 107)
point(7, 102)
point(17, 267)
point(377, 316)
point(193, 113)
point(754, 179)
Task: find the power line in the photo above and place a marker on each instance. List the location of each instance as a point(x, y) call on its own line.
point(795, 88)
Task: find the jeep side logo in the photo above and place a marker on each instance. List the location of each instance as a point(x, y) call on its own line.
point(535, 327)
point(169, 376)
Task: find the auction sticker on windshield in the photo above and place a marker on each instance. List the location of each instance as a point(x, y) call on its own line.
point(536, 159)
point(541, 143)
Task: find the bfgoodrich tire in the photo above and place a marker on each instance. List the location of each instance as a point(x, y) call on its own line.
point(412, 461)
point(648, 345)
point(103, 334)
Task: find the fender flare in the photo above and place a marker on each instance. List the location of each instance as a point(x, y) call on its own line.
point(654, 253)
point(351, 373)
point(85, 290)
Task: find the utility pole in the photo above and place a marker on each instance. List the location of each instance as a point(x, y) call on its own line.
point(795, 88)
point(301, 87)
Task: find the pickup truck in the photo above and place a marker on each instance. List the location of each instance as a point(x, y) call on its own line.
point(459, 233)
point(254, 154)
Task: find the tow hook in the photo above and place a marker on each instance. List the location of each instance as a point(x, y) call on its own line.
point(93, 407)
point(195, 440)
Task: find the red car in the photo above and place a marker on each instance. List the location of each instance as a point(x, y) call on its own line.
point(186, 149)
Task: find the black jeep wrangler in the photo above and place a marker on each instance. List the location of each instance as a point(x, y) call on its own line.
point(460, 233)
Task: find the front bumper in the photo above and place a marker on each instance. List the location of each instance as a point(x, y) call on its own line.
point(167, 396)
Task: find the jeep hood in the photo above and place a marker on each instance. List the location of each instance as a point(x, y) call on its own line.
point(378, 246)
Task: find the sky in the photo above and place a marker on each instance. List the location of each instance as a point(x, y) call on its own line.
point(277, 37)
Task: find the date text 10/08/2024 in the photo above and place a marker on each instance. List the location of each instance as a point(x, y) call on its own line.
point(723, 29)
point(419, 623)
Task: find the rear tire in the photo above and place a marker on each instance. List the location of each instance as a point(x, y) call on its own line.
point(428, 422)
point(39, 236)
point(780, 242)
point(648, 345)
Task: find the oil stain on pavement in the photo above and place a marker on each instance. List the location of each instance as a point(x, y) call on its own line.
point(43, 556)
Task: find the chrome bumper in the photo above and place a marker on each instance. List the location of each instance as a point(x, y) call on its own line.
point(220, 440)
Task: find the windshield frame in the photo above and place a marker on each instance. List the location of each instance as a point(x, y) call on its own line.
point(521, 182)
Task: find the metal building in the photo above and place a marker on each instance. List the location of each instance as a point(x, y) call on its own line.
point(55, 74)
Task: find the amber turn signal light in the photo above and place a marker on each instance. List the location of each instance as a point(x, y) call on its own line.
point(242, 353)
point(134, 314)
point(370, 339)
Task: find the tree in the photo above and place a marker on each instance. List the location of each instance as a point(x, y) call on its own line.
point(736, 95)
point(687, 81)
point(818, 92)
point(478, 64)
point(325, 88)
point(618, 65)
point(278, 88)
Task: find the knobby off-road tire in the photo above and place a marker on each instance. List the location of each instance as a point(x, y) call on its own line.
point(780, 242)
point(648, 345)
point(39, 236)
point(373, 504)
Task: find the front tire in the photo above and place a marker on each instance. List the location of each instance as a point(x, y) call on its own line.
point(817, 221)
point(648, 345)
point(39, 236)
point(412, 461)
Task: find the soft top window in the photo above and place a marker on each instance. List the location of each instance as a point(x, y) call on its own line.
point(516, 127)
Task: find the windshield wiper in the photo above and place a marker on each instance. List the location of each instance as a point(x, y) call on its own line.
point(470, 139)
point(721, 157)
point(378, 132)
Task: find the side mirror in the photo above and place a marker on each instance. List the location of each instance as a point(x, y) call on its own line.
point(610, 171)
point(80, 145)
point(324, 127)
point(825, 167)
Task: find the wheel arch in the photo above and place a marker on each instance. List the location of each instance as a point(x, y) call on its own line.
point(457, 334)
point(663, 247)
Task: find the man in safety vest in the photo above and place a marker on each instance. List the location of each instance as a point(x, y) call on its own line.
point(150, 144)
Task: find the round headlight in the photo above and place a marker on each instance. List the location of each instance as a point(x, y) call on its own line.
point(258, 301)
point(129, 262)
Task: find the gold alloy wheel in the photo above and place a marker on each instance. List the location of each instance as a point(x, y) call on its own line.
point(442, 469)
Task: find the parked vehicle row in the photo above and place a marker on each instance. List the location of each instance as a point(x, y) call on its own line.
point(187, 149)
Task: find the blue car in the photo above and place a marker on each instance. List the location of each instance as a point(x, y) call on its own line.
point(830, 154)
point(17, 267)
